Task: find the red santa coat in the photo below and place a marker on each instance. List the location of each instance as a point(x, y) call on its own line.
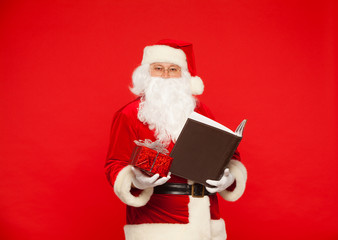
point(163, 216)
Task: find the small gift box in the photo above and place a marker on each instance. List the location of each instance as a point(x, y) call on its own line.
point(149, 157)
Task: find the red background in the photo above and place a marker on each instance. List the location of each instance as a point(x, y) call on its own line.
point(65, 69)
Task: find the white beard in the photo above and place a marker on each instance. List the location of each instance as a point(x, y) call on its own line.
point(165, 105)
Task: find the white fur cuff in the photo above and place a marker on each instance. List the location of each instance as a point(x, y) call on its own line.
point(122, 187)
point(238, 170)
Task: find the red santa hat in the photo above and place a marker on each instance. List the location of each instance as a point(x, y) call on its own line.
point(179, 53)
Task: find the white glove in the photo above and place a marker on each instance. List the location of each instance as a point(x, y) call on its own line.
point(142, 181)
point(221, 184)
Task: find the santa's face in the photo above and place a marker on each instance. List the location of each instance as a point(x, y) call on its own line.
point(165, 70)
point(166, 102)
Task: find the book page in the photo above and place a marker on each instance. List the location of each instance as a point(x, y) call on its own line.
point(240, 128)
point(200, 118)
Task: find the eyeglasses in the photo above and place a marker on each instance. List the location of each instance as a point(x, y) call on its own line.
point(159, 70)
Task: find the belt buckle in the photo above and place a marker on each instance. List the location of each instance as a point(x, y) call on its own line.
point(193, 194)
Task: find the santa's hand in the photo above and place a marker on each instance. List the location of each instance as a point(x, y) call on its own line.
point(221, 184)
point(142, 181)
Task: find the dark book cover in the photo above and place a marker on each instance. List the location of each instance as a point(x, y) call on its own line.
point(203, 151)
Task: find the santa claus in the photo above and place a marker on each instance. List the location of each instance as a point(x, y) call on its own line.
point(166, 207)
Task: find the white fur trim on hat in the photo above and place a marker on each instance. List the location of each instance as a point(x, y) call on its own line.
point(200, 226)
point(197, 86)
point(122, 187)
point(163, 53)
point(238, 170)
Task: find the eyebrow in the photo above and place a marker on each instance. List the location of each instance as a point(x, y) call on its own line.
point(159, 64)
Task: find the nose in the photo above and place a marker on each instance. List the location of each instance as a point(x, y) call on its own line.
point(165, 73)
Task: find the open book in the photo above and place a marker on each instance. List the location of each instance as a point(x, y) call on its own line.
point(204, 148)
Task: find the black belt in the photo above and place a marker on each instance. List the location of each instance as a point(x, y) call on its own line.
point(195, 190)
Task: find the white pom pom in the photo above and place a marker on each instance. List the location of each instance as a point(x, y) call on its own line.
point(197, 85)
